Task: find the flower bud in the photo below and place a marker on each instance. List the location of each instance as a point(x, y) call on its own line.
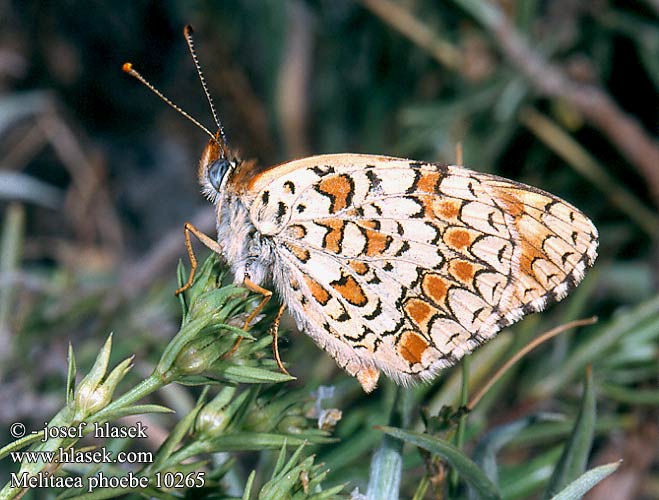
point(93, 394)
point(215, 416)
point(198, 356)
point(87, 397)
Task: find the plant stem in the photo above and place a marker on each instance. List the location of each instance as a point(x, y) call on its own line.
point(143, 389)
point(10, 256)
point(462, 423)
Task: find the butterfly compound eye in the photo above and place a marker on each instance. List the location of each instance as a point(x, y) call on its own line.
point(217, 171)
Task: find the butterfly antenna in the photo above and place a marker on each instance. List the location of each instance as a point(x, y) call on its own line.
point(128, 68)
point(187, 32)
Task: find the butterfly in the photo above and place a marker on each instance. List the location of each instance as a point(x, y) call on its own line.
point(389, 264)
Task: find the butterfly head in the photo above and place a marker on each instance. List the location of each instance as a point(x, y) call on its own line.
point(216, 166)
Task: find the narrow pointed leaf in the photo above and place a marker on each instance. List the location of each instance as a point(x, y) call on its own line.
point(587, 481)
point(575, 455)
point(467, 469)
point(139, 410)
point(252, 441)
point(71, 376)
point(240, 374)
point(248, 487)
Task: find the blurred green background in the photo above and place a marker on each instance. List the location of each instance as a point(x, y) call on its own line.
point(98, 176)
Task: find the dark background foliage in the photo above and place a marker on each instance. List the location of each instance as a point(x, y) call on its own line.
point(559, 94)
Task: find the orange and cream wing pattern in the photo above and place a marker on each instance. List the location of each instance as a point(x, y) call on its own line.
point(404, 267)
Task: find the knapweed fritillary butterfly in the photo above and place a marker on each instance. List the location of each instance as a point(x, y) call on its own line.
point(390, 265)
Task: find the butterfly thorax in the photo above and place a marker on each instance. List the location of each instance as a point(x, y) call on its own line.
point(221, 175)
point(245, 250)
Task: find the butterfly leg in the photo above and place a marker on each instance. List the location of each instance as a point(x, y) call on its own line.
point(206, 240)
point(274, 331)
point(267, 294)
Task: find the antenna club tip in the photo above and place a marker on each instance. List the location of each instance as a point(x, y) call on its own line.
point(127, 67)
point(188, 30)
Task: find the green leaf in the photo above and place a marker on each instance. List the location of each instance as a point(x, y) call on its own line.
point(71, 376)
point(528, 478)
point(177, 435)
point(575, 455)
point(139, 410)
point(487, 448)
point(238, 331)
point(181, 279)
point(20, 443)
point(248, 374)
point(11, 251)
point(285, 476)
point(386, 469)
point(185, 335)
point(421, 489)
point(644, 316)
point(579, 487)
point(249, 485)
point(281, 458)
point(297, 479)
point(629, 395)
point(205, 279)
point(251, 441)
point(467, 469)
